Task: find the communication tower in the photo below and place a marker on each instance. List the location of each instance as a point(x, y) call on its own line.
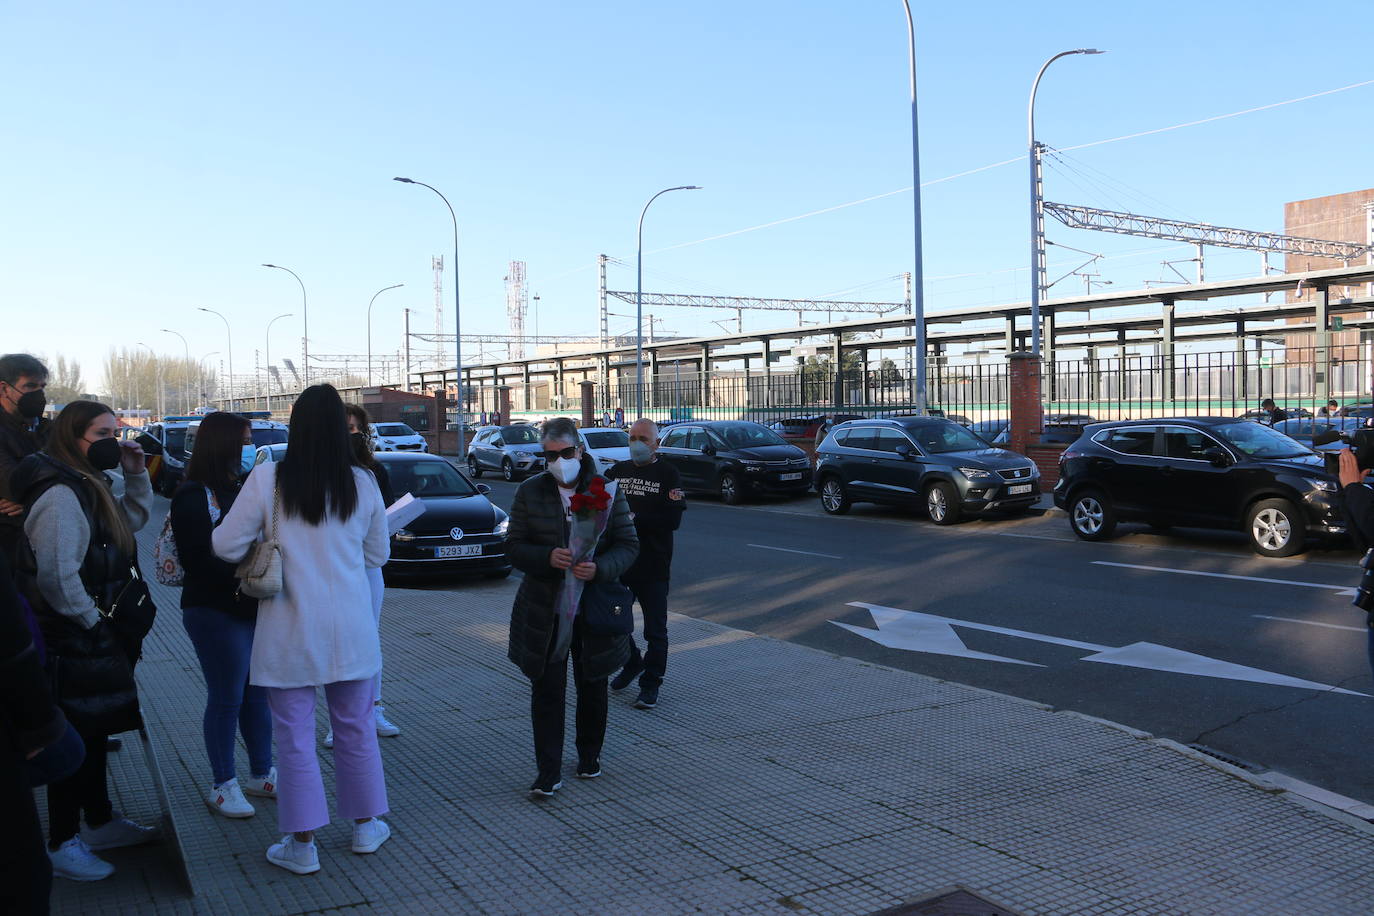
point(438, 264)
point(517, 303)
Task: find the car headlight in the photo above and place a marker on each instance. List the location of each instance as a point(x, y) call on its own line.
point(976, 473)
point(1326, 486)
point(402, 534)
point(502, 527)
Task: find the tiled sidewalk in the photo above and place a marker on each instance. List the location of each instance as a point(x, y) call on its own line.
point(771, 779)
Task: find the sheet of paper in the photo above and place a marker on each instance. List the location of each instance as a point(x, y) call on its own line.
point(402, 512)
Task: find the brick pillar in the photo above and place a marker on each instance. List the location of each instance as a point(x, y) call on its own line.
point(503, 402)
point(440, 416)
point(1023, 380)
point(588, 404)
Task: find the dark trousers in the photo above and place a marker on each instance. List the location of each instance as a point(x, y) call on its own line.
point(548, 705)
point(652, 596)
point(25, 870)
point(83, 791)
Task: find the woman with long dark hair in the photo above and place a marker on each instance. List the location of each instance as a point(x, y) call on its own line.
point(82, 557)
point(219, 618)
point(326, 515)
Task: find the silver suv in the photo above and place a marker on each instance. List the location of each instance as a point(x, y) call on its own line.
point(513, 450)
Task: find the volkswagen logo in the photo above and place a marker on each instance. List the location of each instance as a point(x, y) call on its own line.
point(456, 533)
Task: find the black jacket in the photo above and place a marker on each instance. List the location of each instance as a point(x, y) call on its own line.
point(537, 526)
point(209, 581)
point(28, 718)
point(656, 516)
point(18, 440)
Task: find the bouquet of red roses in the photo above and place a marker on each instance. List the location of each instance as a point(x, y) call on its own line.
point(591, 514)
point(586, 505)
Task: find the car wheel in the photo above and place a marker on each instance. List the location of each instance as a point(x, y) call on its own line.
point(1276, 528)
point(507, 470)
point(474, 468)
point(730, 489)
point(942, 503)
point(834, 497)
point(1091, 516)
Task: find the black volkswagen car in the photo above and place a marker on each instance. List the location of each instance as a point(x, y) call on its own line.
point(735, 459)
point(1203, 472)
point(460, 530)
point(929, 462)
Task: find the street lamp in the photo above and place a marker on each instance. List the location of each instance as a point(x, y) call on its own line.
point(369, 327)
point(457, 322)
point(305, 319)
point(185, 389)
point(267, 355)
point(1038, 204)
point(229, 340)
point(639, 295)
point(918, 307)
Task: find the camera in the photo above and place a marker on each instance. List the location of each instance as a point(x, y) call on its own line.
point(1361, 442)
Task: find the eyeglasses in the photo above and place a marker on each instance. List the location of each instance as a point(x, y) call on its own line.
point(569, 452)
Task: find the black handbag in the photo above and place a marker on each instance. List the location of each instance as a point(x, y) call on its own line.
point(607, 609)
point(132, 614)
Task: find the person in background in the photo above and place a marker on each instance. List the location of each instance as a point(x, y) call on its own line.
point(1332, 409)
point(219, 618)
point(360, 436)
point(23, 431)
point(540, 640)
point(1276, 414)
point(654, 491)
point(318, 631)
point(80, 542)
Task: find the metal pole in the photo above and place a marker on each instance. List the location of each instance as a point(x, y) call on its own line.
point(918, 271)
point(639, 295)
point(406, 381)
point(305, 328)
point(267, 352)
point(229, 339)
point(186, 401)
point(369, 328)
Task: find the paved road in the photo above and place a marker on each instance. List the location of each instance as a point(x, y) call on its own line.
point(787, 570)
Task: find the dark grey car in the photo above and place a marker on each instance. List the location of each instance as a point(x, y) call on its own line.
point(929, 462)
point(513, 450)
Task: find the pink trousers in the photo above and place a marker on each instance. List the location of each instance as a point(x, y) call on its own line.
point(359, 784)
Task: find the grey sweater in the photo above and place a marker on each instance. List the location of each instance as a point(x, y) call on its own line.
point(60, 534)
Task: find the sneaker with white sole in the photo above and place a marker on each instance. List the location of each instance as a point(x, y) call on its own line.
point(227, 799)
point(262, 786)
point(120, 831)
point(385, 727)
point(370, 835)
point(74, 861)
point(329, 738)
point(294, 856)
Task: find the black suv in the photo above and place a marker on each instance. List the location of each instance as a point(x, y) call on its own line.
point(735, 459)
point(1205, 472)
point(923, 461)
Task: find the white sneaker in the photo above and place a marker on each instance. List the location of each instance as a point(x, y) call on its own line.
point(120, 831)
point(74, 861)
point(329, 738)
point(294, 856)
point(262, 786)
point(227, 799)
point(385, 727)
point(370, 835)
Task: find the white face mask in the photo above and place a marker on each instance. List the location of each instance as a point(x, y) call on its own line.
point(565, 470)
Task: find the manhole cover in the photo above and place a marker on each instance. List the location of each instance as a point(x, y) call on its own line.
point(957, 902)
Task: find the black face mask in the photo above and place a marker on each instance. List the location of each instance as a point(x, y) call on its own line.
point(104, 454)
point(31, 404)
point(360, 444)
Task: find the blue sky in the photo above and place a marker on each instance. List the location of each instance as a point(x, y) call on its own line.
point(157, 153)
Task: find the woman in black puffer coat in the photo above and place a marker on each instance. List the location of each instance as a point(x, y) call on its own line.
point(537, 544)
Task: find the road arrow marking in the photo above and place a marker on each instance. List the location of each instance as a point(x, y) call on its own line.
point(1341, 590)
point(915, 631)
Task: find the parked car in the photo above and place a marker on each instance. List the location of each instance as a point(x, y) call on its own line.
point(1303, 429)
point(1064, 428)
point(1262, 416)
point(931, 462)
point(460, 530)
point(265, 431)
point(270, 453)
point(513, 450)
point(1359, 411)
point(170, 433)
point(798, 427)
point(993, 432)
point(735, 459)
point(397, 437)
point(606, 446)
point(1206, 472)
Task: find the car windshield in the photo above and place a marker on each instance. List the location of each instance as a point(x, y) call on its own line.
point(394, 429)
point(428, 479)
point(519, 435)
point(176, 440)
point(268, 436)
point(1259, 441)
point(747, 435)
point(945, 437)
point(607, 438)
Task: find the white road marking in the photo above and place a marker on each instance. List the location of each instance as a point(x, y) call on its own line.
point(1339, 589)
point(915, 631)
point(1312, 623)
point(809, 553)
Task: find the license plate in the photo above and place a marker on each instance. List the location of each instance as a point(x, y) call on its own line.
point(458, 550)
point(796, 476)
point(1019, 488)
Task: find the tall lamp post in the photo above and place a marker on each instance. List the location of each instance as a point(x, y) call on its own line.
point(229, 340)
point(369, 327)
point(305, 319)
point(1038, 203)
point(639, 296)
point(457, 323)
point(918, 307)
point(267, 355)
point(185, 388)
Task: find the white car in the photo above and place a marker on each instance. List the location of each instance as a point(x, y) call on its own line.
point(397, 437)
point(606, 446)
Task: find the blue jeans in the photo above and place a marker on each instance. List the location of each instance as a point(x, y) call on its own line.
point(224, 644)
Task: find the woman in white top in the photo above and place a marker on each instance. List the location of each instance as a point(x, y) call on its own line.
point(319, 630)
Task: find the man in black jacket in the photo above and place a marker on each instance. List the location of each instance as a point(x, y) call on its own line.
point(23, 431)
point(654, 490)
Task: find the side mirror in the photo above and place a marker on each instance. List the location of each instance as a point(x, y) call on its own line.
point(1217, 458)
point(497, 443)
point(708, 450)
point(150, 445)
point(483, 489)
point(904, 450)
